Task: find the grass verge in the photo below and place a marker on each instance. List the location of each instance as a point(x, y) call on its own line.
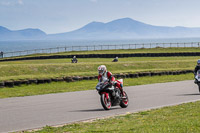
point(58, 87)
point(33, 69)
point(182, 118)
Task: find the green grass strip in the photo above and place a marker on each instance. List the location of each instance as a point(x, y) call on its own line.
point(58, 87)
point(182, 118)
point(33, 69)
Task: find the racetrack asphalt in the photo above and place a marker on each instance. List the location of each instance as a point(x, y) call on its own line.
point(23, 113)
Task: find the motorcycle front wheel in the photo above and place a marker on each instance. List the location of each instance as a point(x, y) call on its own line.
point(105, 101)
point(124, 102)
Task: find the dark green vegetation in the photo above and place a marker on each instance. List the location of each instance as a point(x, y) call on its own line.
point(58, 87)
point(177, 119)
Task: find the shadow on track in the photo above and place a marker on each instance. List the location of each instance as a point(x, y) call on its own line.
point(93, 110)
point(194, 94)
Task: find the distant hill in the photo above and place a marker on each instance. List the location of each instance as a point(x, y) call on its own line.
point(26, 34)
point(124, 28)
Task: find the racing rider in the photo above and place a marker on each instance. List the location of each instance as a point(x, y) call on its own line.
point(104, 75)
point(196, 69)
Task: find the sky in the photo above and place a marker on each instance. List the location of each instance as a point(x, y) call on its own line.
point(58, 16)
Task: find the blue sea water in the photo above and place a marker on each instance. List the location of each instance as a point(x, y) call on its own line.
point(11, 46)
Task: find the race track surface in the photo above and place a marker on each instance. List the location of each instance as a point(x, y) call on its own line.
point(22, 113)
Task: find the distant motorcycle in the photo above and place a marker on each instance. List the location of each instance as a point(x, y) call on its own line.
point(197, 79)
point(111, 95)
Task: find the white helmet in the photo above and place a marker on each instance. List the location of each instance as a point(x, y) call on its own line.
point(102, 69)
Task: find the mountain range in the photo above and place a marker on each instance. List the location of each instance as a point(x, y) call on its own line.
point(125, 28)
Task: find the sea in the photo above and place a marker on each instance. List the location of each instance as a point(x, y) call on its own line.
point(13, 46)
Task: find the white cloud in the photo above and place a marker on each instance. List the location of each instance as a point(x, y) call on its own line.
point(20, 2)
point(93, 0)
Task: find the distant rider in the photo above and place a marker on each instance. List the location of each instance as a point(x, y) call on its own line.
point(74, 60)
point(104, 75)
point(197, 68)
point(115, 59)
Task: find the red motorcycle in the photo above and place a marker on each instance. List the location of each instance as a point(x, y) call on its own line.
point(111, 95)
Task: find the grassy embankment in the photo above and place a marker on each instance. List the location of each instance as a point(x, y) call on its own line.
point(32, 69)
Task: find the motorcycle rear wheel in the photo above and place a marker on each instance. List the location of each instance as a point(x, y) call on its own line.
point(106, 102)
point(124, 102)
